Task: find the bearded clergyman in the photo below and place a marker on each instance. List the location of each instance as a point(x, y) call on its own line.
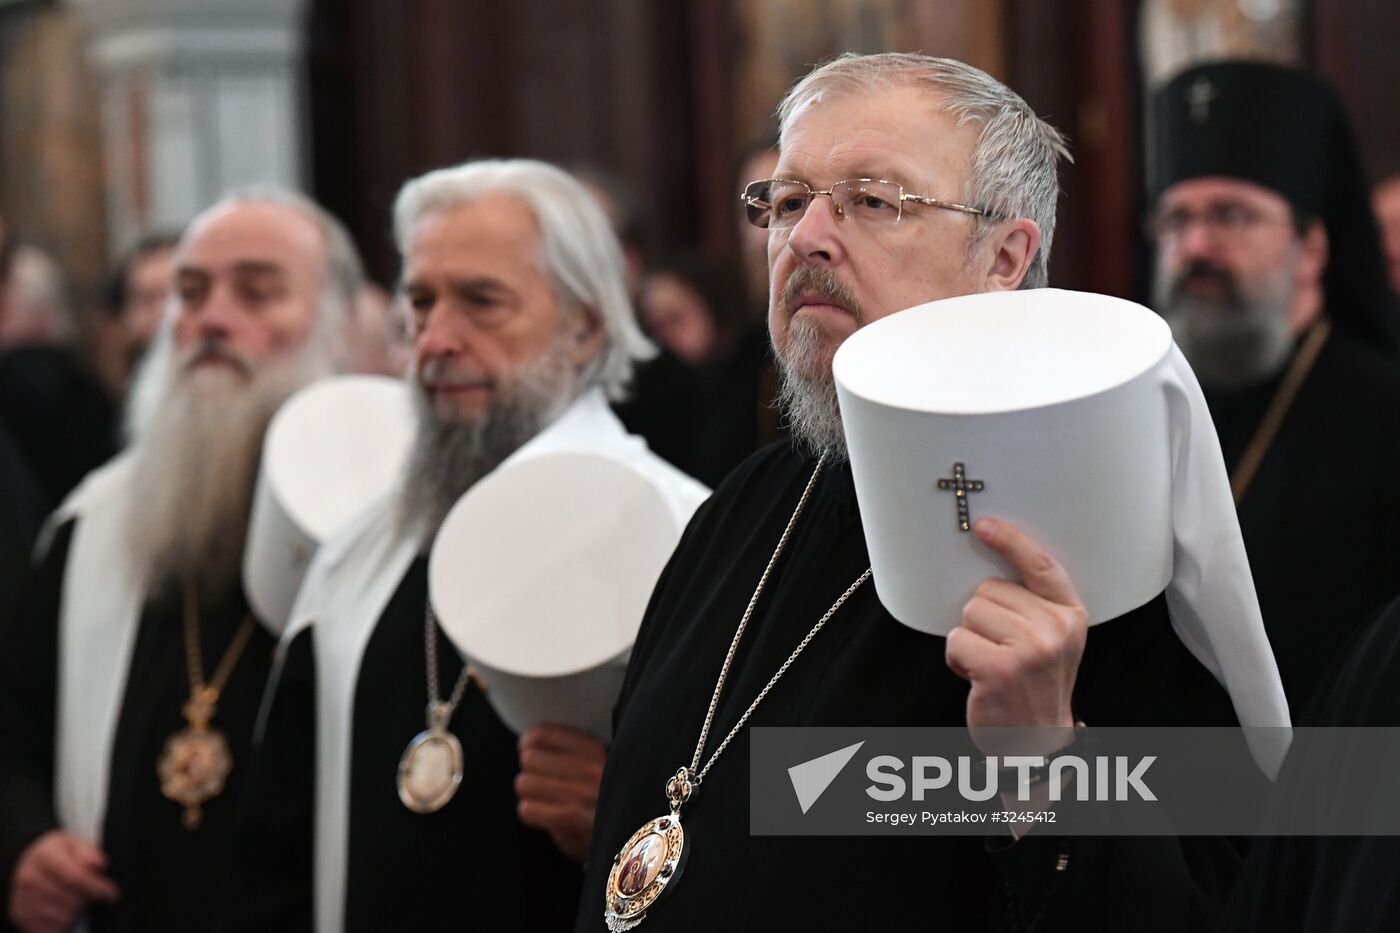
point(1269, 271)
point(132, 670)
point(522, 329)
point(901, 179)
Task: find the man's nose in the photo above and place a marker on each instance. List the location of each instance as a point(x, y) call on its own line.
point(817, 237)
point(217, 318)
point(442, 334)
point(1198, 240)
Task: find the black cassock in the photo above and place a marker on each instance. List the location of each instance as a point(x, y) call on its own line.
point(19, 519)
point(470, 865)
point(170, 877)
point(1326, 884)
point(866, 669)
point(1321, 520)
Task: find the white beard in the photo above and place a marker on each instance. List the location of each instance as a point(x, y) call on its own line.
point(197, 444)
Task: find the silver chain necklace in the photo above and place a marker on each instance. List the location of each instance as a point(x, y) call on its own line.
point(430, 646)
point(431, 768)
point(652, 858)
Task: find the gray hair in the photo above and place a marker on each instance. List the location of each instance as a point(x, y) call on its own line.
point(1015, 161)
point(581, 252)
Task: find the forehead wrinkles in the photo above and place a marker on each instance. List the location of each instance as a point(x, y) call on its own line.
point(247, 265)
point(902, 135)
point(293, 269)
point(848, 160)
point(480, 236)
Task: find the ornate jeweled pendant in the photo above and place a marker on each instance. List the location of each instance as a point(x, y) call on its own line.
point(193, 767)
point(648, 863)
point(430, 770)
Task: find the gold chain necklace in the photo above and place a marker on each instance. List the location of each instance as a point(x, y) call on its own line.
point(196, 761)
point(1278, 407)
point(653, 857)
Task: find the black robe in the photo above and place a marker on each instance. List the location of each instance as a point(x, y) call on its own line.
point(171, 878)
point(20, 515)
point(707, 419)
point(865, 669)
point(666, 406)
point(1324, 507)
point(60, 415)
point(1326, 884)
point(471, 864)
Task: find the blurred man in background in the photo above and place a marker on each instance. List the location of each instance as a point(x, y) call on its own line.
point(1386, 201)
point(60, 416)
point(24, 504)
point(135, 299)
point(132, 667)
point(1269, 272)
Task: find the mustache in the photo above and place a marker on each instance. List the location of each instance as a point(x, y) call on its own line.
point(1203, 270)
point(821, 281)
point(440, 369)
point(214, 348)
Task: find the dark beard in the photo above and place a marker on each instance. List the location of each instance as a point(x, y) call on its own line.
point(1235, 340)
point(448, 458)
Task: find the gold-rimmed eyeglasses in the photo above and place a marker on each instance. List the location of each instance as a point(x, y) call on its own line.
point(780, 203)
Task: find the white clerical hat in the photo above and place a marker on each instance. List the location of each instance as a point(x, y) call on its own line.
point(540, 576)
point(1046, 408)
point(1075, 417)
point(332, 449)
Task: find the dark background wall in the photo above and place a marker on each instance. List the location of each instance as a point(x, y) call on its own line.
point(665, 95)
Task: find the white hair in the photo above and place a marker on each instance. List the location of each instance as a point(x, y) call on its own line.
point(342, 281)
point(581, 251)
point(1014, 163)
point(343, 275)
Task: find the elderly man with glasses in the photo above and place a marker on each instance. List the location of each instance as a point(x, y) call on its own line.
point(1270, 273)
point(902, 179)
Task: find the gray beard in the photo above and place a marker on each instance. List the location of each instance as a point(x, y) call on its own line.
point(196, 463)
point(448, 458)
point(806, 388)
point(1233, 342)
point(808, 402)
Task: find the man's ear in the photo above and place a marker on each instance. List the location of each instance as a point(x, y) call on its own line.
point(1312, 254)
point(1008, 253)
point(586, 327)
